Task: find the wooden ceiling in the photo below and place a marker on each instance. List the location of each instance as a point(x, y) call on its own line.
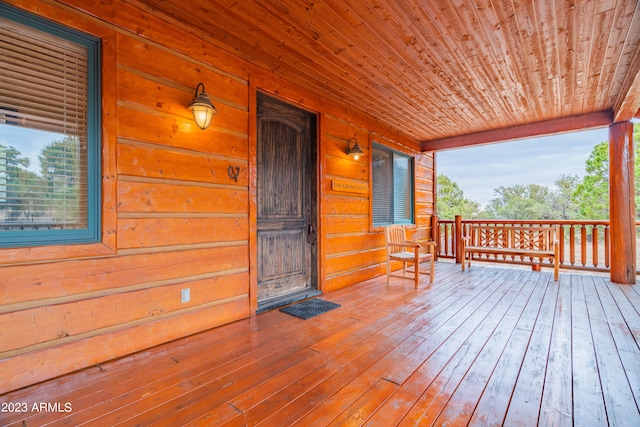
point(444, 72)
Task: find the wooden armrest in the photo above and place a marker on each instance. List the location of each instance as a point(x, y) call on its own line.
point(400, 245)
point(426, 243)
point(423, 242)
point(406, 244)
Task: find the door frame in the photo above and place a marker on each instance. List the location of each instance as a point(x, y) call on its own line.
point(253, 194)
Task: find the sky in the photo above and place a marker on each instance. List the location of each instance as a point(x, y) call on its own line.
point(29, 142)
point(479, 170)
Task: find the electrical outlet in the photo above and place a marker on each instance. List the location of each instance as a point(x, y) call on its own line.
point(186, 295)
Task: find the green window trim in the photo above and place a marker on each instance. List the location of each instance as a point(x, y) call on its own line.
point(91, 231)
point(393, 176)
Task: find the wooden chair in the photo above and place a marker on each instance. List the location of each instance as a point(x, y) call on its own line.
point(406, 251)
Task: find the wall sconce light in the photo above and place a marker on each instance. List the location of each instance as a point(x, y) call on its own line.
point(354, 151)
point(202, 108)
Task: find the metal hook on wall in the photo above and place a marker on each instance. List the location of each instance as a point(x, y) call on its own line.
point(233, 172)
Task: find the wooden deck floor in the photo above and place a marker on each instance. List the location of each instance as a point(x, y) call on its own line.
point(490, 346)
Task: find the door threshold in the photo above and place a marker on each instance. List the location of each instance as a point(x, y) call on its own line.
point(283, 300)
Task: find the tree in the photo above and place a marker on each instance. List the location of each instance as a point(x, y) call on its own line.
point(563, 203)
point(19, 187)
point(451, 200)
point(572, 197)
point(60, 170)
point(522, 202)
point(592, 194)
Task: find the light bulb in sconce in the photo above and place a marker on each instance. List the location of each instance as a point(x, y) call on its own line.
point(354, 151)
point(202, 108)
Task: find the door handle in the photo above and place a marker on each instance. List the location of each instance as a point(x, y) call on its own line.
point(311, 231)
point(311, 234)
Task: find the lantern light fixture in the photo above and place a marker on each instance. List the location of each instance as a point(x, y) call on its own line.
point(202, 108)
point(354, 151)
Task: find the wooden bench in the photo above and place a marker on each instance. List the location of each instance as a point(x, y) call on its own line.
point(512, 242)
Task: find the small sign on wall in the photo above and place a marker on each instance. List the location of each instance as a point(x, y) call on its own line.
point(349, 187)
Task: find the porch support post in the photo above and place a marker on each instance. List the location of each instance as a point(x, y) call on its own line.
point(458, 238)
point(622, 205)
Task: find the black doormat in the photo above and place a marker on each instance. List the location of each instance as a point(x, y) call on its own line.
point(309, 308)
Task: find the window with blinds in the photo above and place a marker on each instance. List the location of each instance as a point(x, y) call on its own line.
point(49, 132)
point(382, 193)
point(392, 187)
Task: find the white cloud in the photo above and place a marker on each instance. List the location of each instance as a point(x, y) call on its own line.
point(480, 170)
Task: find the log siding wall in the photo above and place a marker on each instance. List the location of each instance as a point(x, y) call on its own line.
point(172, 217)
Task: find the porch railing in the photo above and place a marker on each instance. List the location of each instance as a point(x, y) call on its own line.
point(584, 245)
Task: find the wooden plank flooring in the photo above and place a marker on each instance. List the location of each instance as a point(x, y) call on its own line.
point(489, 346)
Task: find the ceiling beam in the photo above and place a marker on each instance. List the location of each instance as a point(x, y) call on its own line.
point(626, 106)
point(630, 104)
point(547, 127)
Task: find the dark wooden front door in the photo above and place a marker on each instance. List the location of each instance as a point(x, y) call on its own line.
point(287, 205)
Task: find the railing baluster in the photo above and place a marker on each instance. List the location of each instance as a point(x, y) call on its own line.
point(458, 237)
point(606, 246)
point(446, 238)
point(561, 243)
point(572, 245)
point(583, 244)
point(594, 245)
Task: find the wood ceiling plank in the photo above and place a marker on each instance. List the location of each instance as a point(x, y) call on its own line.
point(549, 58)
point(385, 102)
point(470, 50)
point(434, 69)
point(541, 51)
point(525, 15)
point(584, 16)
point(532, 33)
point(282, 44)
point(391, 48)
point(500, 71)
point(602, 24)
point(516, 53)
point(255, 45)
point(628, 65)
point(332, 29)
point(566, 47)
point(415, 65)
point(614, 49)
point(512, 76)
point(434, 29)
point(437, 27)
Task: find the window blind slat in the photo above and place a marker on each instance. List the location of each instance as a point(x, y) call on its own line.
point(392, 191)
point(43, 86)
point(44, 81)
point(382, 187)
